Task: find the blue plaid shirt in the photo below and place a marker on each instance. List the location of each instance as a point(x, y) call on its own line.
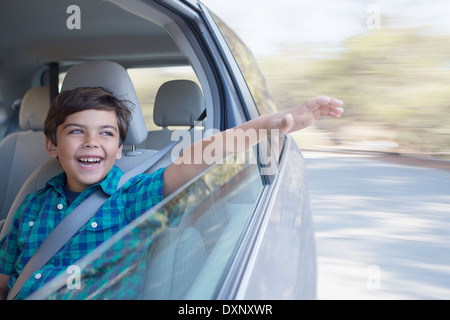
point(43, 210)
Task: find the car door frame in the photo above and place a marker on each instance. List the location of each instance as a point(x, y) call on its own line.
point(255, 263)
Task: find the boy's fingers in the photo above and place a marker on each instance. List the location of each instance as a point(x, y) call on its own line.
point(320, 101)
point(287, 122)
point(336, 102)
point(332, 111)
point(336, 110)
point(333, 114)
point(314, 104)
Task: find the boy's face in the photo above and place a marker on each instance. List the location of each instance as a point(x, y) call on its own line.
point(87, 147)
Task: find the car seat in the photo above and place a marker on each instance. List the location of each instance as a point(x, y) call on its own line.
point(22, 152)
point(4, 117)
point(177, 103)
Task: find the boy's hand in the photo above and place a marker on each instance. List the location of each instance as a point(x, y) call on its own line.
point(180, 172)
point(304, 115)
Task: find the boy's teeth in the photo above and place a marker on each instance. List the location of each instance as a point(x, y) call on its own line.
point(89, 159)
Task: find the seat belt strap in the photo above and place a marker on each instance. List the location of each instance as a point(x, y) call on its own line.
point(62, 233)
point(71, 224)
point(145, 165)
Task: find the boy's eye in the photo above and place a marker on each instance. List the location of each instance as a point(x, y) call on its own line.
point(107, 133)
point(76, 131)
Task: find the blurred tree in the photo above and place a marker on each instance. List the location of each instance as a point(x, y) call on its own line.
point(390, 76)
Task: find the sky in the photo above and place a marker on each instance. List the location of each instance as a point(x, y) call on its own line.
point(264, 25)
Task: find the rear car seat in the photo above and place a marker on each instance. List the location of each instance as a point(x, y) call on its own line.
point(177, 103)
point(22, 152)
point(4, 117)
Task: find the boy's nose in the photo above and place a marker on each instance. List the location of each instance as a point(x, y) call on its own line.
point(90, 145)
point(90, 142)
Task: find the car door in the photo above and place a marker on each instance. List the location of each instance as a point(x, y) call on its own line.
point(281, 263)
point(241, 230)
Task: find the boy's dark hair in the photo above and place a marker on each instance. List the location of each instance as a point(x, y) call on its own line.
point(85, 98)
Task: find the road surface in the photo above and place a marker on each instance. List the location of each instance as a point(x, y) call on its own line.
point(382, 228)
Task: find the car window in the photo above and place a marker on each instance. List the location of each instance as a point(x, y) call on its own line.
point(249, 68)
point(256, 84)
point(185, 256)
point(147, 81)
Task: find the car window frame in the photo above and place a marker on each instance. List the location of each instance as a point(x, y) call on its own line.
point(245, 96)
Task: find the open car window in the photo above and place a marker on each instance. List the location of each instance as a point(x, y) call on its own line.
point(182, 247)
point(248, 67)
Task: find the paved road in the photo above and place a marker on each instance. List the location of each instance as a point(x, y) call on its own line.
point(382, 228)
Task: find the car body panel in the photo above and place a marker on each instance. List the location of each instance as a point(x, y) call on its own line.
point(283, 261)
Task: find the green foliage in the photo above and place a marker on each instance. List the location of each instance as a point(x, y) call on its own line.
point(398, 78)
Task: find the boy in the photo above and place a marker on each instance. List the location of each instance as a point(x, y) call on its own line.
point(85, 129)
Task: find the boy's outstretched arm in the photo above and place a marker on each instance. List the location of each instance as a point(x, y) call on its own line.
point(193, 161)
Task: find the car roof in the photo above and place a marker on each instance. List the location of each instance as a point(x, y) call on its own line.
point(34, 33)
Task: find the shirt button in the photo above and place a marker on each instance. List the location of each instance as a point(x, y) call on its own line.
point(31, 223)
point(94, 224)
point(37, 276)
point(60, 206)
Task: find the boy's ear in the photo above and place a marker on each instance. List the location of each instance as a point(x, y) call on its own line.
point(51, 148)
point(119, 153)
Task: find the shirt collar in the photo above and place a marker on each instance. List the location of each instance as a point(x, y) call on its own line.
point(109, 184)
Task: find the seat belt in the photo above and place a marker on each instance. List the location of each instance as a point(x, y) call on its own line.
point(62, 233)
point(71, 224)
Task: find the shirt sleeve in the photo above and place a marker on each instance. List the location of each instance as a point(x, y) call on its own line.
point(145, 191)
point(9, 244)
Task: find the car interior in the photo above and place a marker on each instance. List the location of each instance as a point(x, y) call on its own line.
point(100, 54)
point(16, 148)
point(92, 60)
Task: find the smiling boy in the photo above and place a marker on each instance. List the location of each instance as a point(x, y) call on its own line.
point(87, 148)
point(85, 129)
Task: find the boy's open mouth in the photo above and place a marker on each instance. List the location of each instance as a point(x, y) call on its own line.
point(89, 161)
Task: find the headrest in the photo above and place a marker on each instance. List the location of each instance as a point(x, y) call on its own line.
point(34, 108)
point(4, 115)
point(178, 103)
point(114, 78)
